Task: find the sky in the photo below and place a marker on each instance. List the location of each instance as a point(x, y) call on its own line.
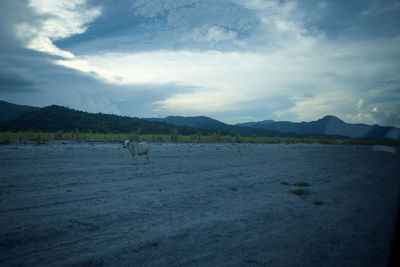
point(235, 61)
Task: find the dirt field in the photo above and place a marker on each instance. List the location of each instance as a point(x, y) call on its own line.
point(198, 204)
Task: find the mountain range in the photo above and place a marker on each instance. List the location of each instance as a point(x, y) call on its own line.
point(209, 124)
point(329, 125)
point(56, 118)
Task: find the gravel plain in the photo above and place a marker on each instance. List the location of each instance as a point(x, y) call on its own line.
point(84, 203)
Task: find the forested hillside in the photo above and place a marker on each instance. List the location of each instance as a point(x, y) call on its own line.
point(9, 111)
point(56, 118)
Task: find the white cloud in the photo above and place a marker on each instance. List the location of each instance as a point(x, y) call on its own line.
point(379, 105)
point(58, 19)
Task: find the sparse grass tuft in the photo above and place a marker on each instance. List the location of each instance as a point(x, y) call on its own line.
point(357, 210)
point(318, 202)
point(302, 184)
point(300, 192)
point(285, 183)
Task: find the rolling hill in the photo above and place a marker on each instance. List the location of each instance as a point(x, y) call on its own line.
point(209, 124)
point(56, 118)
point(9, 111)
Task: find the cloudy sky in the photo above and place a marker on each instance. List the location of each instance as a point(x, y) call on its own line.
point(233, 60)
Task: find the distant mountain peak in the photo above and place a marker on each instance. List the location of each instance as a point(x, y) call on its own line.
point(201, 122)
point(330, 125)
point(190, 118)
point(331, 118)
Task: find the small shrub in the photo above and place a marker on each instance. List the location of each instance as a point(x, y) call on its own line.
point(37, 138)
point(238, 139)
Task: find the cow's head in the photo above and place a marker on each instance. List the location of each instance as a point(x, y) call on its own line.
point(126, 143)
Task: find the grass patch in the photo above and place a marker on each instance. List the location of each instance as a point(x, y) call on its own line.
point(302, 184)
point(285, 183)
point(300, 192)
point(44, 137)
point(357, 210)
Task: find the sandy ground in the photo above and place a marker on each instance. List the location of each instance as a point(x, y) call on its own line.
point(197, 204)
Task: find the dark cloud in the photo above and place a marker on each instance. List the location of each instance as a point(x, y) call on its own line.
point(392, 82)
point(308, 95)
point(353, 19)
point(17, 64)
point(16, 81)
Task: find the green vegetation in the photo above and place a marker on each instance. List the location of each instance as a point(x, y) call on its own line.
point(285, 183)
point(198, 137)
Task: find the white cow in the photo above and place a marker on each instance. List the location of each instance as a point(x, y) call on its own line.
point(137, 148)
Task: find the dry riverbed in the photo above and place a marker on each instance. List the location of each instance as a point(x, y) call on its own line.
point(198, 204)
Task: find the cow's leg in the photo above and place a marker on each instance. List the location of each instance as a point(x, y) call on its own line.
point(133, 154)
point(147, 158)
